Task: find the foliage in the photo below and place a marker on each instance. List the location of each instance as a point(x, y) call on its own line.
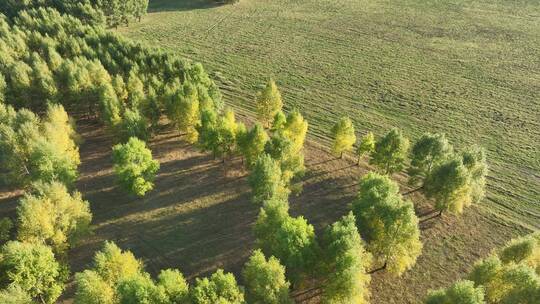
point(33, 268)
point(175, 286)
point(347, 263)
point(265, 280)
point(113, 265)
point(134, 166)
point(268, 103)
point(291, 161)
point(132, 124)
point(218, 134)
point(52, 216)
point(219, 288)
point(6, 224)
point(92, 289)
point(387, 223)
point(295, 129)
point(140, 289)
point(343, 135)
point(390, 152)
point(14, 294)
point(366, 146)
point(291, 240)
point(463, 292)
point(266, 180)
point(183, 109)
point(252, 143)
point(428, 151)
point(32, 149)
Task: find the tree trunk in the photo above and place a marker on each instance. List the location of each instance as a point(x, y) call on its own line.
point(341, 155)
point(383, 267)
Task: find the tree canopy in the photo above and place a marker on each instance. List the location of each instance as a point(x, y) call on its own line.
point(134, 166)
point(390, 152)
point(268, 103)
point(387, 223)
point(343, 135)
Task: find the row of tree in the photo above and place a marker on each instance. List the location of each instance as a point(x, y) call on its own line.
point(452, 179)
point(93, 12)
point(510, 275)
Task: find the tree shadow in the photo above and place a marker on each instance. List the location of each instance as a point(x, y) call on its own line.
point(181, 5)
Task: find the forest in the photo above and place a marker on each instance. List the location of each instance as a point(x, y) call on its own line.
point(64, 65)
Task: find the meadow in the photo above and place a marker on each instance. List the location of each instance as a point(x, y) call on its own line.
point(470, 69)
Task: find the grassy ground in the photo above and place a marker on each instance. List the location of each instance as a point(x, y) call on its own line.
point(470, 69)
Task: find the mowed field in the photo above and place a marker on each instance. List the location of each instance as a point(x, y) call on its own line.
point(470, 69)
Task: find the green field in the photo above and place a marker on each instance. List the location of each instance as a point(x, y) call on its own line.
point(470, 69)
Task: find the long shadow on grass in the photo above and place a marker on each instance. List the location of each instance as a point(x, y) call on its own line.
point(180, 5)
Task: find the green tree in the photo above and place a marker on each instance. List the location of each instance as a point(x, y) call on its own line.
point(219, 288)
point(295, 129)
point(92, 289)
point(32, 150)
point(390, 152)
point(141, 7)
point(251, 144)
point(291, 240)
point(6, 225)
point(14, 294)
point(134, 166)
point(265, 280)
point(52, 216)
point(33, 268)
point(428, 151)
point(183, 110)
point(113, 265)
point(462, 292)
point(266, 180)
point(347, 263)
point(140, 289)
point(343, 135)
point(387, 223)
point(279, 121)
point(291, 161)
point(448, 185)
point(175, 286)
point(366, 146)
point(474, 159)
point(131, 125)
point(268, 103)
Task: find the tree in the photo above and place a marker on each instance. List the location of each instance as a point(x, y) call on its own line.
point(291, 240)
point(227, 130)
point(282, 149)
point(347, 263)
point(183, 110)
point(92, 289)
point(251, 144)
point(390, 152)
point(140, 289)
point(52, 216)
point(462, 292)
point(366, 146)
point(448, 185)
point(295, 129)
point(344, 137)
point(265, 280)
point(279, 121)
point(268, 103)
point(32, 149)
point(220, 288)
point(474, 159)
point(113, 265)
point(134, 166)
point(523, 250)
point(6, 225)
point(141, 6)
point(427, 152)
point(14, 294)
point(33, 268)
point(175, 286)
point(266, 180)
point(387, 223)
point(132, 125)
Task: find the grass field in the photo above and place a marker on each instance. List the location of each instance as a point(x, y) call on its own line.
point(470, 69)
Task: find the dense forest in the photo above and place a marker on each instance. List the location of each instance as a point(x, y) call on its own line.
point(60, 61)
